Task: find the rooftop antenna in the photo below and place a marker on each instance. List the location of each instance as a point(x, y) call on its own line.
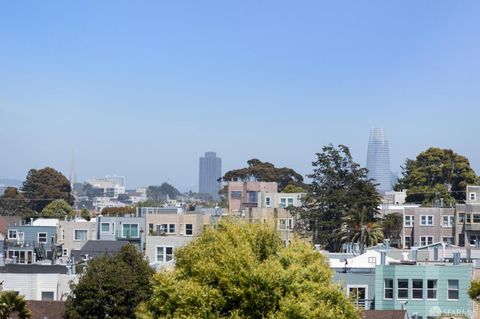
point(73, 175)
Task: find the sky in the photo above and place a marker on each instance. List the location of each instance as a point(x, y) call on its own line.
point(144, 88)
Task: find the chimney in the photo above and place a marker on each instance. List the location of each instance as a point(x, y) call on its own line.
point(414, 253)
point(383, 257)
point(456, 258)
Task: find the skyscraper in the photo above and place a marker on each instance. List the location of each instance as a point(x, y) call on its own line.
point(210, 172)
point(378, 160)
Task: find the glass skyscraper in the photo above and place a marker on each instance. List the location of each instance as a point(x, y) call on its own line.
point(210, 172)
point(378, 160)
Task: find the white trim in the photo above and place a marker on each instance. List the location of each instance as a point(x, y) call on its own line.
point(46, 237)
point(186, 230)
point(75, 231)
point(413, 289)
point(431, 289)
point(12, 230)
point(138, 230)
point(358, 286)
point(408, 289)
point(164, 253)
point(426, 220)
point(393, 288)
point(458, 289)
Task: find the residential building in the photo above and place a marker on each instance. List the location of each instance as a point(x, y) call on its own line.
point(73, 235)
point(426, 290)
point(378, 160)
point(112, 186)
point(124, 228)
point(96, 248)
point(468, 218)
point(243, 195)
point(210, 171)
point(427, 225)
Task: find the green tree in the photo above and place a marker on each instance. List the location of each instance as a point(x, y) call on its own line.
point(241, 270)
point(12, 203)
point(111, 287)
point(290, 188)
point(159, 193)
point(43, 186)
point(392, 228)
point(58, 209)
point(339, 187)
point(124, 198)
point(474, 290)
point(265, 172)
point(13, 304)
point(85, 214)
point(118, 211)
point(436, 174)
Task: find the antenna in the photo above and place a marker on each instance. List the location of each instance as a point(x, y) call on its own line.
point(73, 175)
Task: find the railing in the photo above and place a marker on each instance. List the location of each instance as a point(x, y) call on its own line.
point(128, 235)
point(15, 243)
point(364, 304)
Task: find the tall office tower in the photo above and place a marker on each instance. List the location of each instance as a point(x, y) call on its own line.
point(210, 172)
point(378, 160)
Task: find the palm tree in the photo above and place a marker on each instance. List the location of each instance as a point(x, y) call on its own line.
point(358, 229)
point(11, 303)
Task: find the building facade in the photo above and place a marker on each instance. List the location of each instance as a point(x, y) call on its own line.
point(378, 160)
point(468, 218)
point(210, 171)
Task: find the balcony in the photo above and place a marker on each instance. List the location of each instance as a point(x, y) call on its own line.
point(364, 304)
point(128, 235)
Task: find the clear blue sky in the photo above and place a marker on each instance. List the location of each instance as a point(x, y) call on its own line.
point(143, 88)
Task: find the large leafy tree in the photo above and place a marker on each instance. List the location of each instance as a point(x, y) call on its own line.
point(12, 202)
point(12, 304)
point(159, 193)
point(241, 270)
point(434, 175)
point(111, 287)
point(339, 188)
point(266, 172)
point(45, 185)
point(58, 209)
point(392, 227)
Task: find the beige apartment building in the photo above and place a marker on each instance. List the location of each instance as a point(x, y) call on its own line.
point(73, 234)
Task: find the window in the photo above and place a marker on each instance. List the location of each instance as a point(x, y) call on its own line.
point(474, 239)
point(408, 241)
point(285, 223)
point(426, 240)
point(236, 195)
point(426, 220)
point(469, 219)
point(358, 294)
point(417, 288)
point(431, 289)
point(171, 229)
point(47, 295)
point(402, 289)
point(476, 218)
point(289, 201)
point(447, 240)
point(164, 253)
point(81, 234)
point(105, 228)
point(286, 201)
point(268, 201)
point(388, 289)
point(408, 221)
point(472, 196)
point(62, 234)
point(461, 217)
point(448, 221)
point(12, 234)
point(64, 252)
point(188, 229)
point(42, 238)
point(252, 197)
point(453, 289)
point(130, 230)
point(461, 240)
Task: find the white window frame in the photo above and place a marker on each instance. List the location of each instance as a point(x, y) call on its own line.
point(385, 288)
point(53, 295)
point(174, 228)
point(186, 230)
point(286, 202)
point(457, 290)
point(408, 289)
point(472, 196)
point(426, 240)
point(415, 289)
point(446, 242)
point(64, 252)
point(410, 219)
point(433, 289)
point(164, 247)
point(427, 217)
point(20, 237)
point(12, 231)
point(268, 201)
point(359, 286)
point(138, 230)
point(449, 219)
point(75, 233)
point(410, 244)
point(109, 227)
point(62, 234)
point(46, 237)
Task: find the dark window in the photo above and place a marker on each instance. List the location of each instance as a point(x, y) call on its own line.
point(188, 229)
point(388, 294)
point(417, 289)
point(402, 289)
point(236, 194)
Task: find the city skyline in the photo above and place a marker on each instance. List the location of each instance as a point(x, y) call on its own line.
point(378, 160)
point(274, 81)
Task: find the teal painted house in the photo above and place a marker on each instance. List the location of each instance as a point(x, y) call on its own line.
point(425, 290)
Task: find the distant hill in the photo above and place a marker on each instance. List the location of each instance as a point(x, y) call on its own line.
point(11, 182)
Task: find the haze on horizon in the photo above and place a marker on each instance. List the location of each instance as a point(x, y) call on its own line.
point(143, 89)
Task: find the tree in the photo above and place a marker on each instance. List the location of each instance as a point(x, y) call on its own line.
point(290, 188)
point(13, 304)
point(265, 172)
point(43, 186)
point(91, 192)
point(124, 198)
point(58, 209)
point(111, 287)
point(118, 211)
point(159, 193)
point(12, 202)
point(85, 214)
point(339, 187)
point(392, 227)
point(474, 290)
point(241, 270)
point(434, 175)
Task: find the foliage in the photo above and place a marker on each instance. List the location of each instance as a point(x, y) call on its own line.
point(13, 304)
point(118, 211)
point(474, 290)
point(436, 173)
point(111, 286)
point(58, 209)
point(12, 202)
point(43, 186)
point(265, 172)
point(85, 214)
point(91, 192)
point(124, 198)
point(339, 188)
point(243, 270)
point(290, 188)
point(150, 203)
point(392, 227)
point(159, 193)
